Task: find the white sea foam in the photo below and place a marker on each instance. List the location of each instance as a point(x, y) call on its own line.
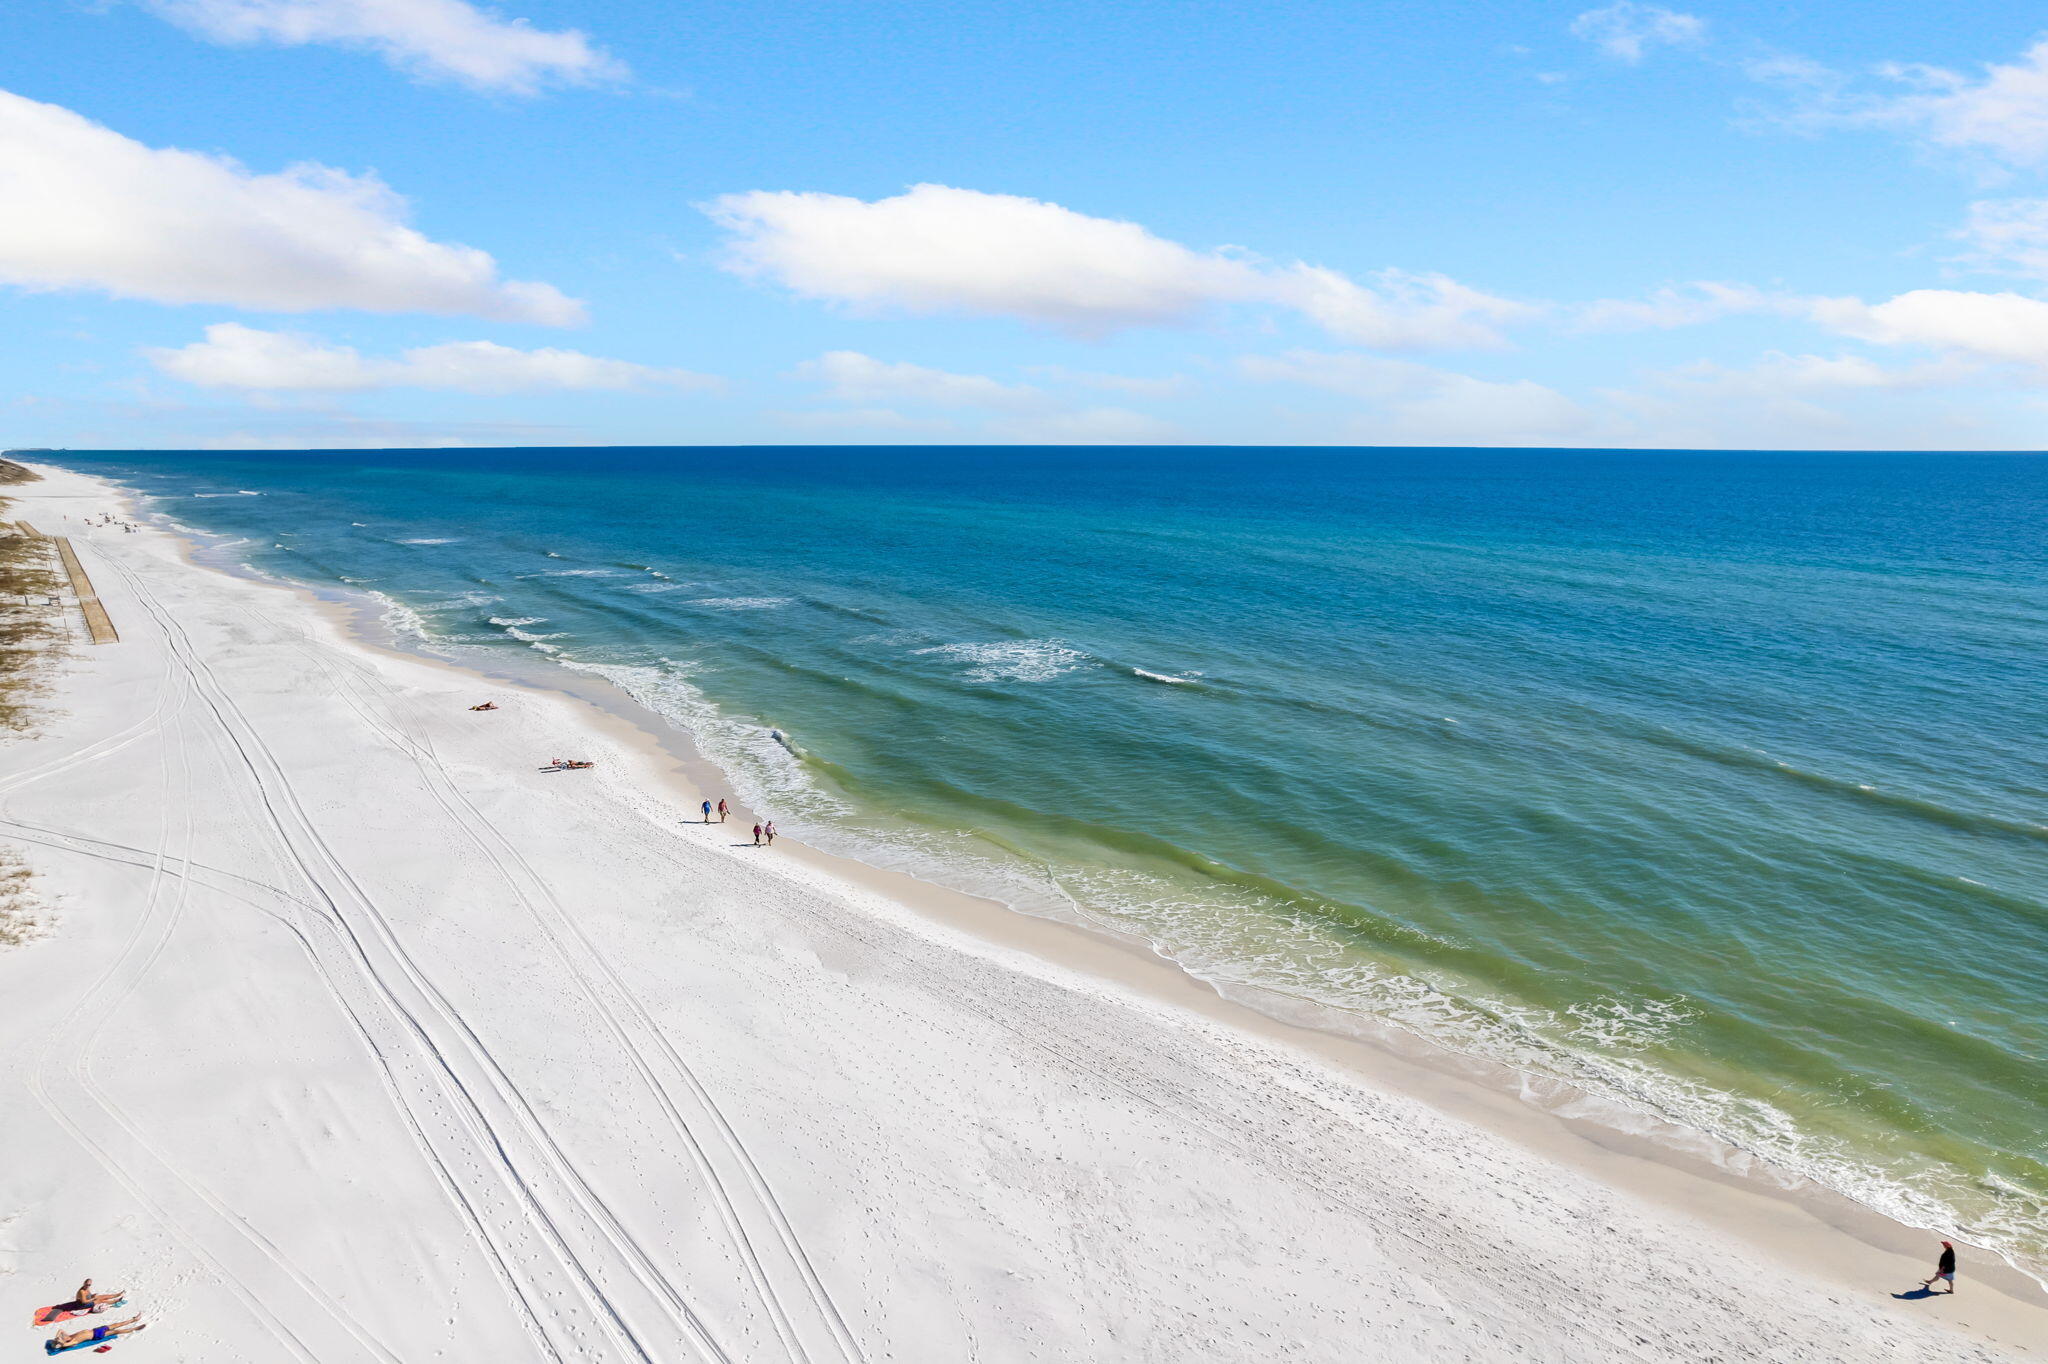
point(1627, 1025)
point(518, 620)
point(656, 587)
point(1151, 676)
point(218, 541)
point(534, 641)
point(433, 540)
point(463, 602)
point(741, 603)
point(1012, 660)
point(766, 774)
point(402, 620)
point(571, 573)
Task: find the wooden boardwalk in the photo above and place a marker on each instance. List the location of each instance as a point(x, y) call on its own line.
point(96, 620)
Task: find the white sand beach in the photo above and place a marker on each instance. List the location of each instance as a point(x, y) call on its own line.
point(361, 1038)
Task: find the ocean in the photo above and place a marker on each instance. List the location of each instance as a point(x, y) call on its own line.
point(1710, 784)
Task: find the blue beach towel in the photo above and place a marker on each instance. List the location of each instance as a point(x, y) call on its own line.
point(97, 1340)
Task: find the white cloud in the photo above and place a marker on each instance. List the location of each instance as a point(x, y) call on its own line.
point(87, 208)
point(1022, 413)
point(1405, 312)
point(936, 249)
point(2009, 236)
point(1430, 405)
point(1170, 386)
point(2003, 112)
point(2002, 326)
point(343, 432)
point(866, 419)
point(1843, 402)
point(1779, 375)
point(1999, 114)
point(435, 38)
point(1681, 306)
point(1090, 426)
point(235, 356)
point(853, 377)
point(1781, 401)
point(1627, 30)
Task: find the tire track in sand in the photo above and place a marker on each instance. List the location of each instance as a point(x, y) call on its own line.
point(639, 1038)
point(517, 1198)
point(62, 1081)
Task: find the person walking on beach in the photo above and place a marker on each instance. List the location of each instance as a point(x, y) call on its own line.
point(757, 834)
point(769, 829)
point(1944, 1268)
point(721, 809)
point(707, 812)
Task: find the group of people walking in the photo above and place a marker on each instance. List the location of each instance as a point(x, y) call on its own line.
point(764, 830)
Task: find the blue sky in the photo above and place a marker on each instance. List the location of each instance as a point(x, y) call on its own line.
point(306, 223)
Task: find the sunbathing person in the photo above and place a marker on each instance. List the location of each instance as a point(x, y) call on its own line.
point(85, 1300)
point(488, 705)
point(64, 1340)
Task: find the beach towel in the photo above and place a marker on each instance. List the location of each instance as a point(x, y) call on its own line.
point(65, 1311)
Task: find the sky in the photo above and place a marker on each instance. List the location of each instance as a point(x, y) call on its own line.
point(398, 223)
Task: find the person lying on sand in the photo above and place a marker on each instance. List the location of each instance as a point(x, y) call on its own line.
point(85, 1300)
point(488, 705)
point(64, 1340)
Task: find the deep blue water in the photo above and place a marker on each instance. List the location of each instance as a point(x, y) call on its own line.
point(1710, 782)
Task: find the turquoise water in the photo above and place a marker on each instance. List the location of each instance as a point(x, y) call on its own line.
point(1712, 783)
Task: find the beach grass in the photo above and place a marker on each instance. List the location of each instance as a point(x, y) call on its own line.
point(21, 912)
point(29, 633)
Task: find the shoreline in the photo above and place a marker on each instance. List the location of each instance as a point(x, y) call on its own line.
point(1542, 1114)
point(1803, 1228)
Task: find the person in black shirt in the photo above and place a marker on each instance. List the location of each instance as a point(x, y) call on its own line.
point(1944, 1268)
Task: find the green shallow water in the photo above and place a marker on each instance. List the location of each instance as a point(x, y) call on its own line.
point(1711, 783)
